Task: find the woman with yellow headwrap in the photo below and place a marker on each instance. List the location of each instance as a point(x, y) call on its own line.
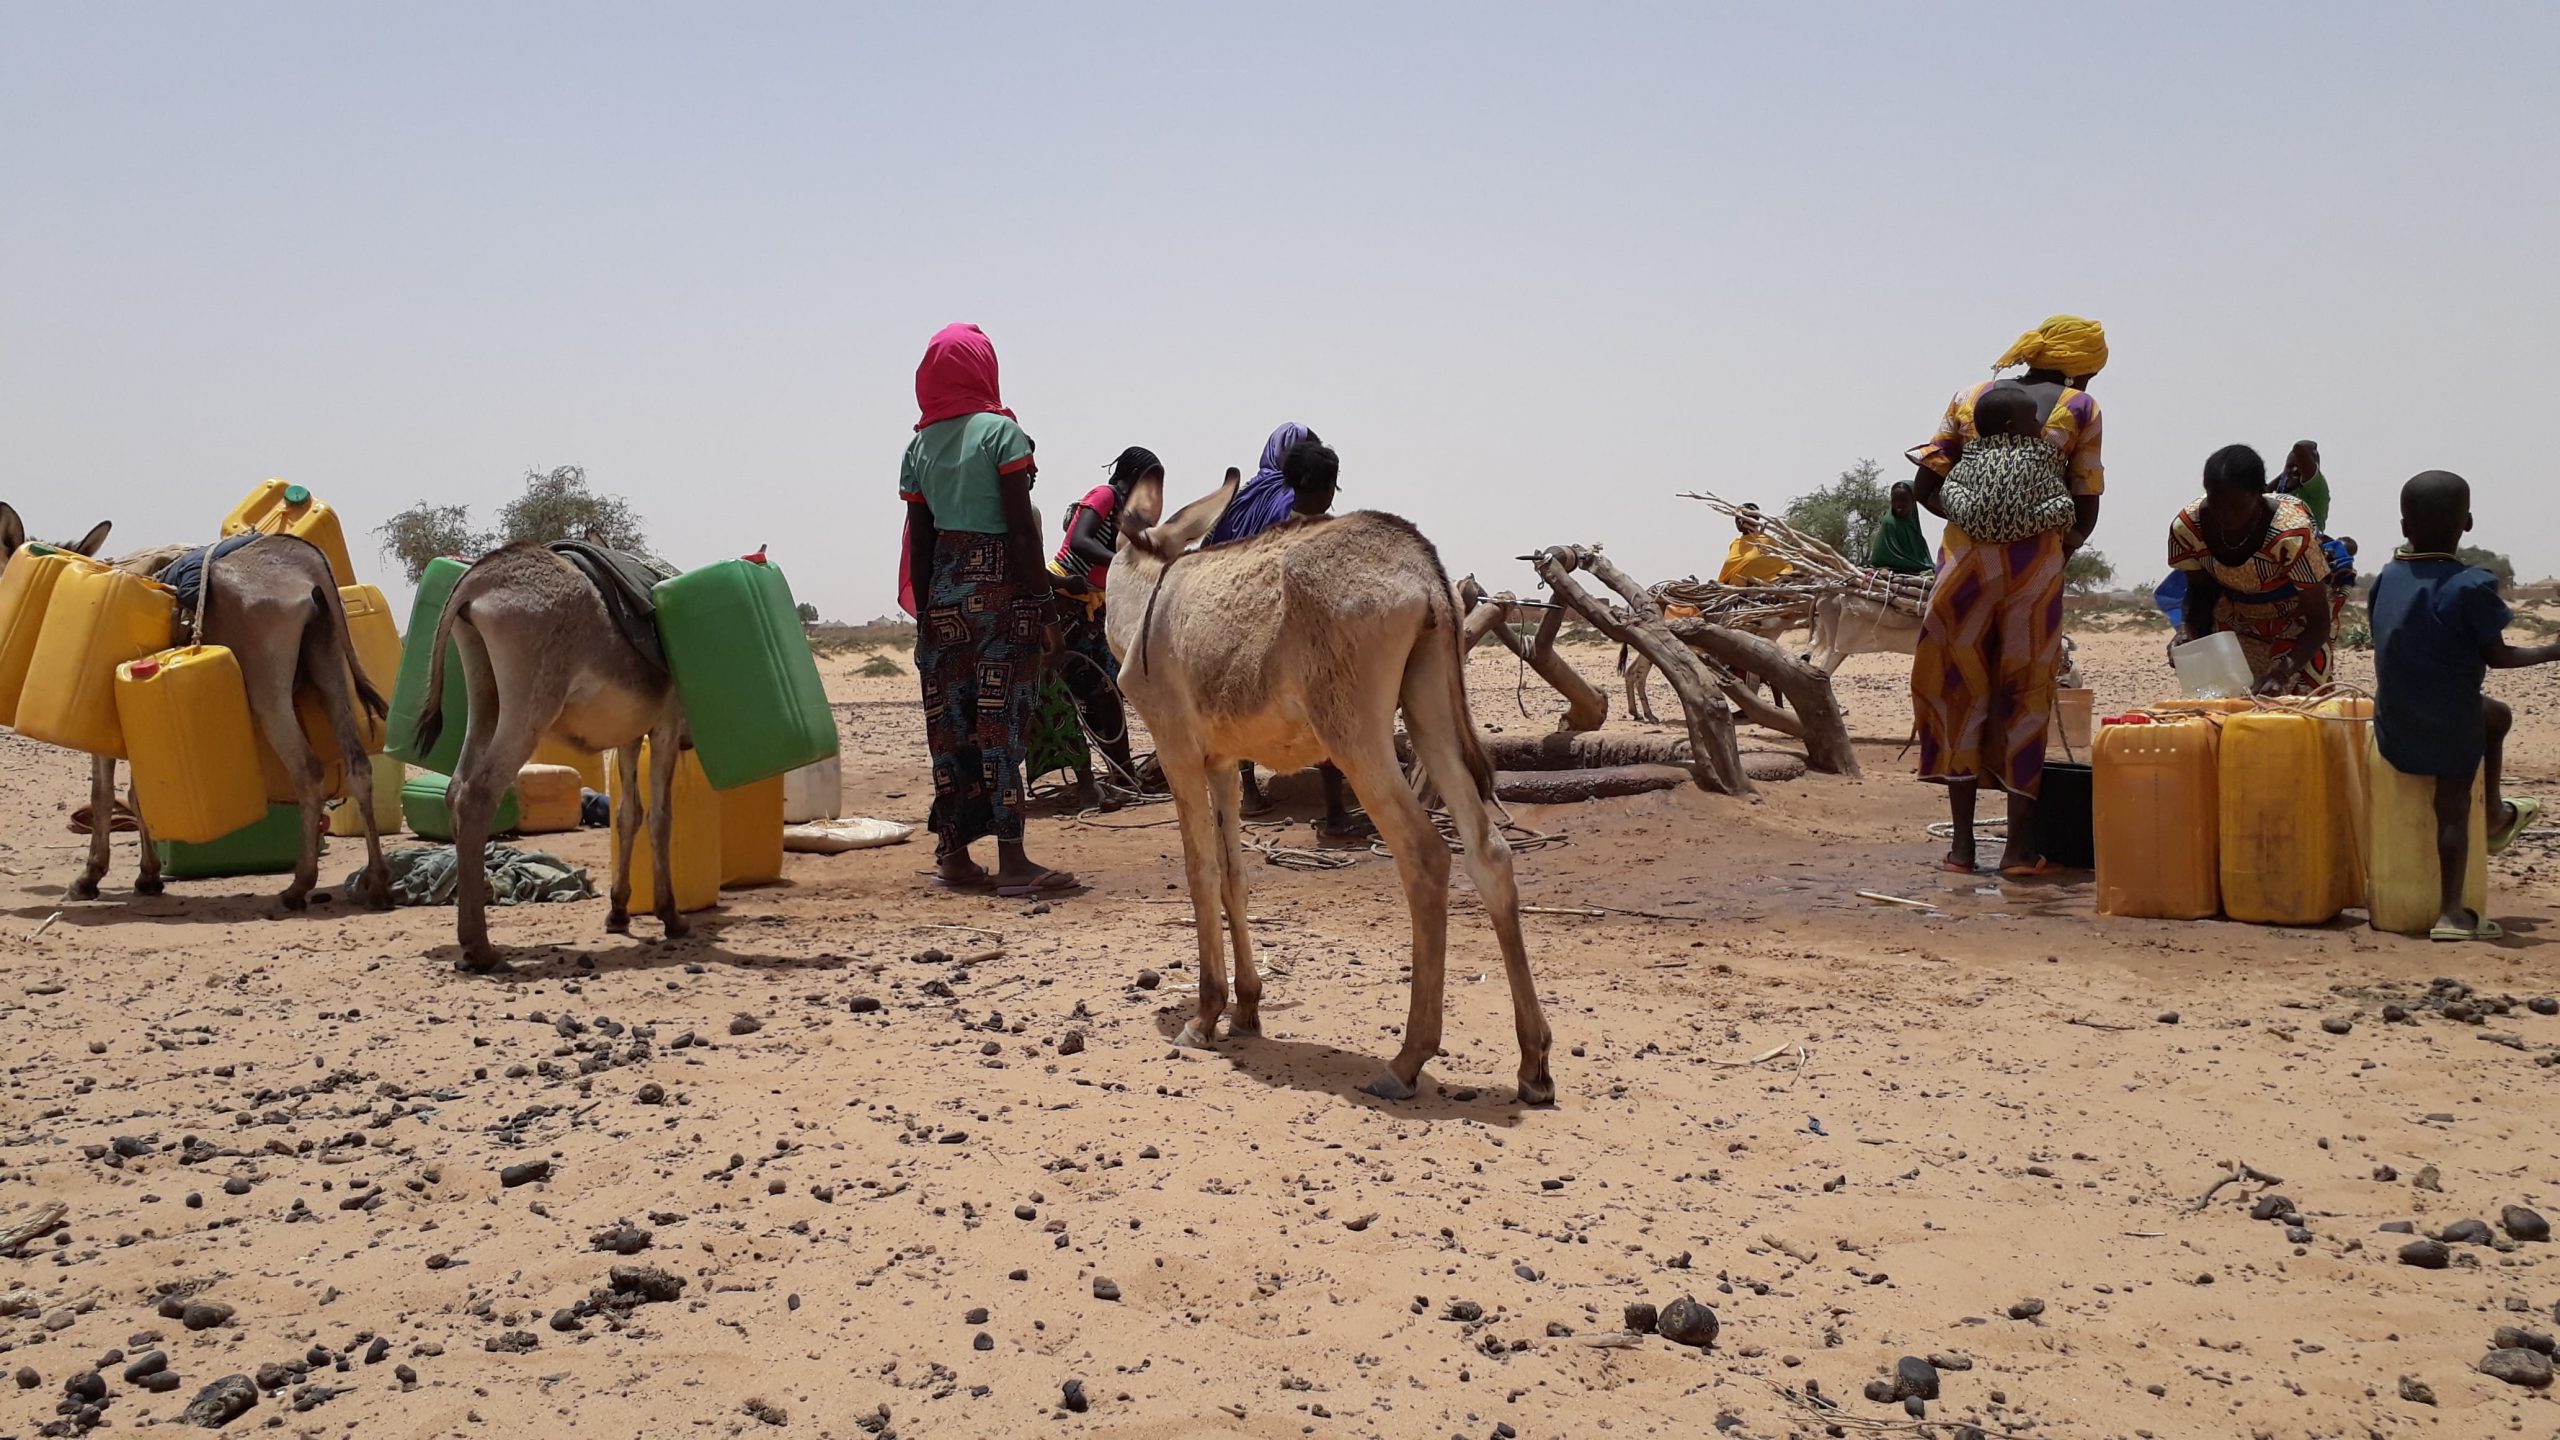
point(1982, 677)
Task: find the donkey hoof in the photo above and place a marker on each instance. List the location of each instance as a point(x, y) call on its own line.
point(1192, 1038)
point(84, 889)
point(1540, 1091)
point(479, 962)
point(617, 922)
point(1388, 1087)
point(1245, 1027)
point(677, 927)
point(296, 901)
point(152, 886)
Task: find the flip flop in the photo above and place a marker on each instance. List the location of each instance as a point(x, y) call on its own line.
point(978, 886)
point(1046, 882)
point(1955, 868)
point(2488, 930)
point(2042, 868)
point(124, 823)
point(2526, 811)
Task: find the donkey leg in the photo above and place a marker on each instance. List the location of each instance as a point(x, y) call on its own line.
point(626, 831)
point(337, 692)
point(1201, 861)
point(665, 751)
point(1422, 863)
point(102, 823)
point(1488, 862)
point(480, 780)
point(1226, 800)
point(271, 704)
point(147, 882)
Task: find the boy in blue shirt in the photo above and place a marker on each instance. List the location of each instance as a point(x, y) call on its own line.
point(2438, 625)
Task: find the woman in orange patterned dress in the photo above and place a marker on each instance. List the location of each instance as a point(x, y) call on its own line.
point(2255, 567)
point(1983, 672)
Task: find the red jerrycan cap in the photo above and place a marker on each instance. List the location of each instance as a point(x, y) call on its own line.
point(145, 669)
point(757, 558)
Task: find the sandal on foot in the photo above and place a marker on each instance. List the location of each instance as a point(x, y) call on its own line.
point(2525, 811)
point(2037, 870)
point(1046, 882)
point(1958, 867)
point(2487, 929)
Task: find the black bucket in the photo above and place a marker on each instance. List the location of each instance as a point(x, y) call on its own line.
point(2066, 831)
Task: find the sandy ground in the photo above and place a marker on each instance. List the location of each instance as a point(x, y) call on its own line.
point(914, 1195)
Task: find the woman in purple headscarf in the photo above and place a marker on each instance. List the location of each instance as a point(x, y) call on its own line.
point(1266, 499)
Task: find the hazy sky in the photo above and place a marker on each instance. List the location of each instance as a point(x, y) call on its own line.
point(1531, 269)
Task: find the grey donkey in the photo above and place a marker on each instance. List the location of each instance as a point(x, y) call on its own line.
point(1298, 645)
point(541, 656)
point(274, 604)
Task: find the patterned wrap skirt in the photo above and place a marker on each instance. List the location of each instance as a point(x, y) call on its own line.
point(978, 659)
point(1982, 678)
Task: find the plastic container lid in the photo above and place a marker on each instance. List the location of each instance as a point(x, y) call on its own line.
point(296, 495)
point(145, 669)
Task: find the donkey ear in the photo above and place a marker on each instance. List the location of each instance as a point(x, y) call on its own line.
point(1145, 505)
point(96, 537)
point(13, 531)
point(1194, 520)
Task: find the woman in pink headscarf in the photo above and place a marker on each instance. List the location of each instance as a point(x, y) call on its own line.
point(982, 624)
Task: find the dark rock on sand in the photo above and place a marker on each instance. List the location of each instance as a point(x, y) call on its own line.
point(221, 1402)
point(2465, 1232)
point(2523, 1224)
point(1686, 1322)
point(2529, 1368)
point(2426, 1254)
point(1914, 1376)
point(1641, 1317)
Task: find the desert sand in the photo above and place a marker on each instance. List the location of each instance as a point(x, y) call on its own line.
point(921, 1161)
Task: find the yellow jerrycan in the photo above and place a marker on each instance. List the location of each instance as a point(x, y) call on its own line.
point(751, 834)
point(693, 851)
point(185, 716)
point(26, 590)
point(97, 620)
point(2346, 730)
point(388, 776)
point(279, 508)
point(2285, 843)
point(548, 799)
point(2156, 804)
point(375, 634)
point(2404, 889)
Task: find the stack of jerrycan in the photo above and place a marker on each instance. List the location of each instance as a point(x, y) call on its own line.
point(693, 849)
point(26, 592)
point(95, 620)
point(428, 811)
point(2157, 812)
point(752, 699)
point(272, 846)
point(409, 693)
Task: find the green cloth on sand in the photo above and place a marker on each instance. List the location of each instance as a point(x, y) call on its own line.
point(421, 875)
point(1901, 548)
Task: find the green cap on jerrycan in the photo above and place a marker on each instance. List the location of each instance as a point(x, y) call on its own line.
point(296, 495)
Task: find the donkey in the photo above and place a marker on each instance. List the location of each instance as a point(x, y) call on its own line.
point(274, 604)
point(1294, 646)
point(542, 655)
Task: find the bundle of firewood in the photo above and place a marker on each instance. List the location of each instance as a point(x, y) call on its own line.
point(1817, 569)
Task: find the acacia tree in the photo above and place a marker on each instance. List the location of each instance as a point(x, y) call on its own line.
point(556, 505)
point(2086, 570)
point(423, 532)
point(1845, 513)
